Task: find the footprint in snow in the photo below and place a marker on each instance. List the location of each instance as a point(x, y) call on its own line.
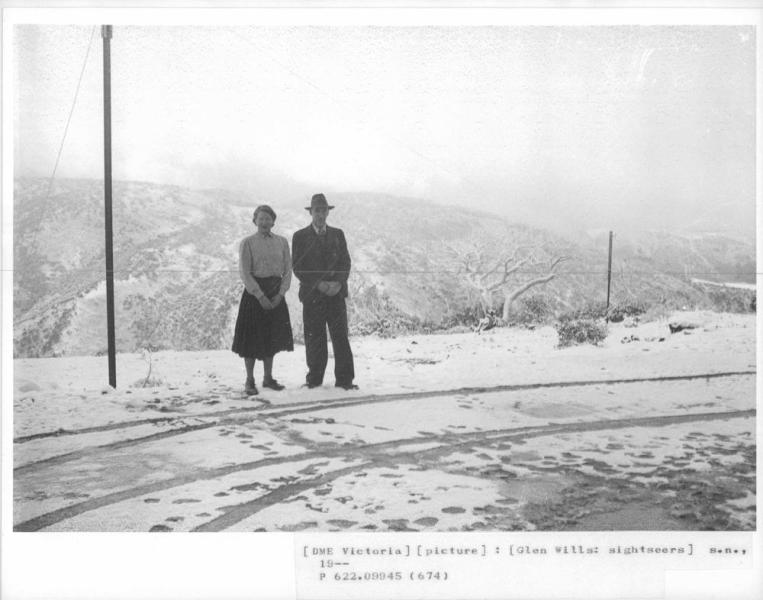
point(299, 526)
point(397, 524)
point(344, 524)
point(507, 500)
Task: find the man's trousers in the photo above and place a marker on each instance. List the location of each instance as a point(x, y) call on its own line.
point(318, 312)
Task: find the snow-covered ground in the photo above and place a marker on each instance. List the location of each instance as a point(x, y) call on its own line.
point(448, 432)
point(730, 284)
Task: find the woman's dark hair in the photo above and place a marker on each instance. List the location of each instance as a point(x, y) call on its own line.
point(264, 208)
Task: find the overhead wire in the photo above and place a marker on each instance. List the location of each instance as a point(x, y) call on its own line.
point(430, 272)
point(71, 113)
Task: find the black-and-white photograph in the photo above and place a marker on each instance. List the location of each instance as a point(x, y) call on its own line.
point(383, 278)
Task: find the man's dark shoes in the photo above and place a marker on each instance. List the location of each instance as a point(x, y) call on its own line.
point(272, 384)
point(346, 386)
point(310, 385)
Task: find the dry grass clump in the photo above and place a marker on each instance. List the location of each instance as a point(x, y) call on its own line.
point(575, 330)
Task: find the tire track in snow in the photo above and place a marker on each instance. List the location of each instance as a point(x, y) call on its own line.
point(302, 407)
point(330, 403)
point(449, 441)
point(245, 510)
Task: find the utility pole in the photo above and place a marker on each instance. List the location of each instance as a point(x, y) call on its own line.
point(609, 273)
point(106, 31)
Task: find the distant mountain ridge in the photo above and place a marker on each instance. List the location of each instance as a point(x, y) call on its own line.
point(176, 271)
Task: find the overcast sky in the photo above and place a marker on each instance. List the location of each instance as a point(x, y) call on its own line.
point(622, 127)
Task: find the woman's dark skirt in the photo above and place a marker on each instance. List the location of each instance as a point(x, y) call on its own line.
point(262, 333)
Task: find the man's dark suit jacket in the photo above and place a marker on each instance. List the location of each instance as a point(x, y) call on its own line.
point(315, 260)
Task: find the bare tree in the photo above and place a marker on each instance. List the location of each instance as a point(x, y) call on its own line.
point(510, 295)
point(490, 270)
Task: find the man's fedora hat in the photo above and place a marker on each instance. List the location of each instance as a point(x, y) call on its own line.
point(318, 201)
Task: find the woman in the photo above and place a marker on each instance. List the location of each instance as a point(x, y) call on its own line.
point(263, 327)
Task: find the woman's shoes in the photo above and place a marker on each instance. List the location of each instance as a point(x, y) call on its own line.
point(272, 384)
point(250, 388)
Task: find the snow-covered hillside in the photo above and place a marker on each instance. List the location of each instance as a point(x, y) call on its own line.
point(177, 286)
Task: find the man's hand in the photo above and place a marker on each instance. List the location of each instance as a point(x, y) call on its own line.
point(329, 288)
point(276, 300)
point(265, 303)
point(333, 288)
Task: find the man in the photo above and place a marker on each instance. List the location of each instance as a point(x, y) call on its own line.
point(322, 264)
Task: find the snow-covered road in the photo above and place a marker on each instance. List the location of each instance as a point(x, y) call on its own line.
point(451, 432)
